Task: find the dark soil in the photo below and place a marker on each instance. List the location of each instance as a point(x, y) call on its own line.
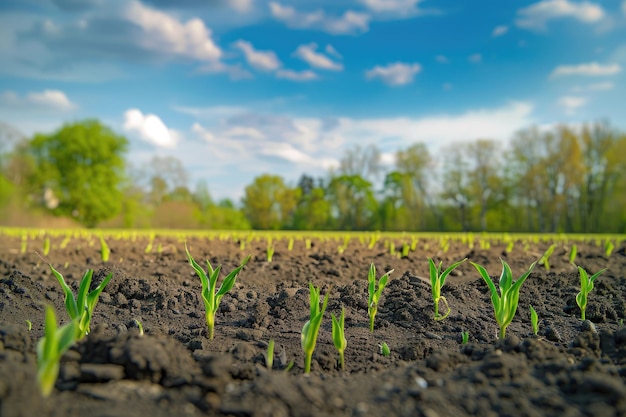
point(572, 368)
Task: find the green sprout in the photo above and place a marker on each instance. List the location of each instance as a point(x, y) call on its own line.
point(545, 259)
point(140, 326)
point(312, 326)
point(464, 337)
point(209, 284)
point(339, 336)
point(24, 245)
point(572, 254)
point(105, 252)
point(608, 248)
point(375, 293)
point(269, 355)
point(269, 251)
point(586, 285)
point(290, 245)
point(50, 348)
point(46, 246)
point(384, 349)
point(29, 325)
point(81, 308)
point(534, 320)
point(437, 280)
point(505, 304)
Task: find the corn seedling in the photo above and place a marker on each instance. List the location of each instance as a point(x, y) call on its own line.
point(375, 291)
point(505, 304)
point(81, 308)
point(384, 349)
point(290, 245)
point(405, 250)
point(139, 326)
point(269, 355)
point(339, 336)
point(307, 244)
point(586, 285)
point(509, 247)
point(46, 246)
point(572, 254)
point(437, 280)
point(534, 320)
point(24, 245)
point(269, 252)
point(105, 252)
point(464, 337)
point(209, 285)
point(29, 325)
point(608, 248)
point(50, 348)
point(311, 328)
point(545, 259)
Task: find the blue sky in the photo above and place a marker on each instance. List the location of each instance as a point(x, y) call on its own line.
point(237, 88)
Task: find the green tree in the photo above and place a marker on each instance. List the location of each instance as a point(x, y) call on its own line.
point(268, 203)
point(352, 202)
point(79, 170)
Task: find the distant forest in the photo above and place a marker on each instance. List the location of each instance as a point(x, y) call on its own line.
point(565, 179)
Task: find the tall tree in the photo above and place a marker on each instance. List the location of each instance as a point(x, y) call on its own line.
point(363, 162)
point(80, 166)
point(353, 203)
point(456, 183)
point(269, 203)
point(483, 156)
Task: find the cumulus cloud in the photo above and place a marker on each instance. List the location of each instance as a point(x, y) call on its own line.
point(605, 86)
point(261, 60)
point(499, 31)
point(572, 103)
point(53, 100)
point(164, 33)
point(395, 7)
point(287, 74)
point(315, 59)
point(537, 15)
point(395, 74)
point(350, 22)
point(150, 128)
point(592, 69)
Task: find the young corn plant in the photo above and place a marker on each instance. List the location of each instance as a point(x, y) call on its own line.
point(464, 337)
point(586, 285)
point(534, 320)
point(209, 286)
point(572, 254)
point(505, 304)
point(608, 248)
point(105, 252)
point(545, 259)
point(311, 328)
point(55, 342)
point(384, 349)
point(269, 355)
point(81, 308)
point(375, 291)
point(437, 280)
point(339, 336)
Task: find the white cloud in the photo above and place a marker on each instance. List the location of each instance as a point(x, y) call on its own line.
point(442, 59)
point(572, 103)
point(150, 128)
point(241, 6)
point(332, 51)
point(164, 33)
point(315, 59)
point(475, 58)
point(605, 86)
point(499, 31)
point(395, 7)
point(54, 100)
point(287, 74)
point(234, 71)
point(537, 15)
point(395, 74)
point(592, 69)
point(349, 23)
point(261, 60)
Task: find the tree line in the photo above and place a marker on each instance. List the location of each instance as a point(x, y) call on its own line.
point(563, 179)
